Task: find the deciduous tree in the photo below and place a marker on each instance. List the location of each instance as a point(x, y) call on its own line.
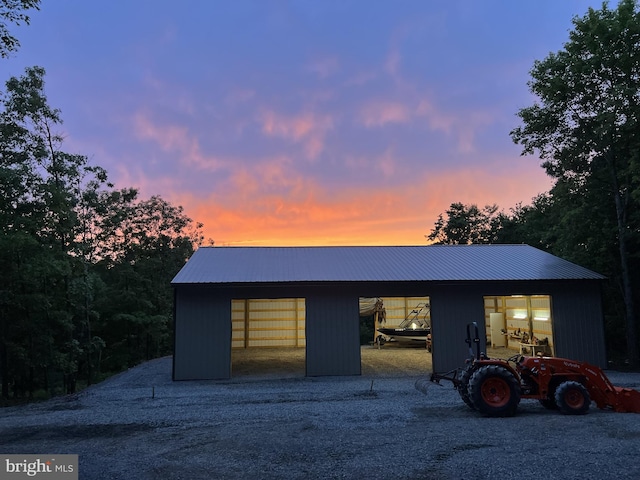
point(86, 269)
point(13, 11)
point(585, 126)
point(465, 224)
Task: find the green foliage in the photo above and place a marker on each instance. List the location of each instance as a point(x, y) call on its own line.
point(466, 224)
point(13, 11)
point(86, 268)
point(531, 224)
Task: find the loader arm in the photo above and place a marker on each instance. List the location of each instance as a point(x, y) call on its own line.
point(603, 392)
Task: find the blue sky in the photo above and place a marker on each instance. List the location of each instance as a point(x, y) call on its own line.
point(300, 122)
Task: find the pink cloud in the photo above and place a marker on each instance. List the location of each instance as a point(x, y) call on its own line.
point(436, 119)
point(461, 126)
point(131, 175)
point(324, 67)
point(307, 128)
point(176, 139)
point(380, 113)
point(361, 78)
point(251, 181)
point(392, 63)
point(385, 163)
point(240, 95)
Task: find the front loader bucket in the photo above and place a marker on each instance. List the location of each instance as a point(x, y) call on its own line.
point(628, 400)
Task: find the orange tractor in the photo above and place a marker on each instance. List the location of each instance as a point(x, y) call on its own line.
point(494, 387)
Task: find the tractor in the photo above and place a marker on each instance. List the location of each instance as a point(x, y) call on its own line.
point(494, 387)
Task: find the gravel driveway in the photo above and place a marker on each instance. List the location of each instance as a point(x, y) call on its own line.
point(140, 425)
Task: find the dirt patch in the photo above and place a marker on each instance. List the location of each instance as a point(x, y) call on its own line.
point(392, 358)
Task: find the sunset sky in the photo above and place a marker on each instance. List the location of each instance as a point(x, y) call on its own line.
point(300, 122)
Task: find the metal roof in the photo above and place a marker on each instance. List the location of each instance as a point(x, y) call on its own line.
point(226, 265)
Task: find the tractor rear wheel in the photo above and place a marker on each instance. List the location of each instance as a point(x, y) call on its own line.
point(572, 398)
point(494, 391)
point(463, 387)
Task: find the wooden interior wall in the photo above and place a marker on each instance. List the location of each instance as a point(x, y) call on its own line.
point(278, 322)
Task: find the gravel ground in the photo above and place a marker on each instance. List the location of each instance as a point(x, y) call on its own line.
point(266, 425)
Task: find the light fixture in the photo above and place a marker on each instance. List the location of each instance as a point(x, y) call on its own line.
point(520, 316)
point(541, 319)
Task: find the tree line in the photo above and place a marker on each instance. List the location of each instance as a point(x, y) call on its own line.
point(585, 126)
point(86, 268)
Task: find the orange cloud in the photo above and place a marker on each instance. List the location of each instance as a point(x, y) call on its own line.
point(270, 202)
point(309, 214)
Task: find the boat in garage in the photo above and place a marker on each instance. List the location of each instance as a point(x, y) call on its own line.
point(415, 328)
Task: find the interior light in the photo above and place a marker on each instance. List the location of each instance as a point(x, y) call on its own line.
point(541, 319)
point(520, 316)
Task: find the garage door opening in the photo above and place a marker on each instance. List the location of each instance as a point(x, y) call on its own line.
point(395, 335)
point(268, 336)
point(520, 324)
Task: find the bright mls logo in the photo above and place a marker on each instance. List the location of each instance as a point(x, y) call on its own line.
point(51, 467)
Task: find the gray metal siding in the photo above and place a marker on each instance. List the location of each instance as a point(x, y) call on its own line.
point(333, 334)
point(578, 322)
point(452, 308)
point(202, 335)
point(203, 321)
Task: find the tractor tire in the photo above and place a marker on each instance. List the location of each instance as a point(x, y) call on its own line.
point(463, 387)
point(572, 398)
point(494, 391)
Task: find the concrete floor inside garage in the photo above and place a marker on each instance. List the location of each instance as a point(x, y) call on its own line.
point(391, 359)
